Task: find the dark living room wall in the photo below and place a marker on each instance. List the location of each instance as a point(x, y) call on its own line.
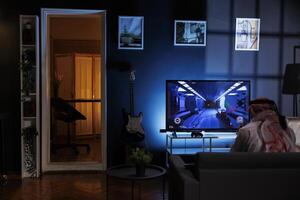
point(160, 60)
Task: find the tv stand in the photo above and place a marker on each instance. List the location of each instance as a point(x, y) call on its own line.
point(174, 134)
point(205, 144)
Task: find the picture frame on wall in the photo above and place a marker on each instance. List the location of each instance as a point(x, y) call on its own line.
point(247, 34)
point(189, 33)
point(131, 32)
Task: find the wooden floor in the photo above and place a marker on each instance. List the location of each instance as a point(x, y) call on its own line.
point(77, 187)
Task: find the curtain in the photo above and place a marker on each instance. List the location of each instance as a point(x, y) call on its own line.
point(88, 86)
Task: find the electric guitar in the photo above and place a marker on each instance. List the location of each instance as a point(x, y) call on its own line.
point(133, 123)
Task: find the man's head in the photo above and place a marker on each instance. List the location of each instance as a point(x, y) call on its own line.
point(261, 104)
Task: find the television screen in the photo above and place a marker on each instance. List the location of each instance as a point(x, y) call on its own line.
point(207, 105)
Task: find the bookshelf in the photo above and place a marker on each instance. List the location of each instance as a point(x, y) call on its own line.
point(30, 95)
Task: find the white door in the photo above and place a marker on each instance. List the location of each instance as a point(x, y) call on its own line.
point(94, 93)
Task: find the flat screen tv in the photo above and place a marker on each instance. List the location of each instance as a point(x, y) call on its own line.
point(206, 105)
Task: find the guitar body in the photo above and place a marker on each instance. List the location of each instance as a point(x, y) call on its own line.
point(133, 132)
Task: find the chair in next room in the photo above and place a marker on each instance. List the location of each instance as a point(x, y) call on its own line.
point(63, 111)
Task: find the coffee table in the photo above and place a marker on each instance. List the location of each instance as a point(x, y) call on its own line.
point(127, 172)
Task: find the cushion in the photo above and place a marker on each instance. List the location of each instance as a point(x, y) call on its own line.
point(294, 123)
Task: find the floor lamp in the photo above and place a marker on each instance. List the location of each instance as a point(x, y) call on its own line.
point(291, 84)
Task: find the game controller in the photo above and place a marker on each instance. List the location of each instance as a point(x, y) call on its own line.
point(196, 135)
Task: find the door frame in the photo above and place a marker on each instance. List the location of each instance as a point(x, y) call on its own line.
point(46, 13)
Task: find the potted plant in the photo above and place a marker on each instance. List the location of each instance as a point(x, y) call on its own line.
point(140, 158)
point(28, 73)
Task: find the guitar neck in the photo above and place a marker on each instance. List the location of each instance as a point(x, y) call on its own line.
point(131, 98)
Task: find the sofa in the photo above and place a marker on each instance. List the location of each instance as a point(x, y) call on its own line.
point(235, 176)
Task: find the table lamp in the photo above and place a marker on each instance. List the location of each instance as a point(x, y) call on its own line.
point(291, 83)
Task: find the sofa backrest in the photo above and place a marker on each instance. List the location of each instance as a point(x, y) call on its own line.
point(248, 176)
point(247, 160)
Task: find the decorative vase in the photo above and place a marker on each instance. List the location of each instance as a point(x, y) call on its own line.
point(140, 170)
point(29, 155)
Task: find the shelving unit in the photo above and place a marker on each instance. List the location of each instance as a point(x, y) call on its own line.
point(30, 93)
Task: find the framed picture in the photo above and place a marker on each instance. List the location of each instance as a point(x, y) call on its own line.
point(247, 34)
point(189, 33)
point(131, 32)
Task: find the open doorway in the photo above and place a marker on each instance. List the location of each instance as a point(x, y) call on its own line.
point(73, 90)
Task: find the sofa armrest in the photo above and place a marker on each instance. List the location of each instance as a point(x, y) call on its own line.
point(177, 161)
point(182, 183)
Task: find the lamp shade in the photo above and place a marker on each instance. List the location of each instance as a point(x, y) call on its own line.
point(291, 80)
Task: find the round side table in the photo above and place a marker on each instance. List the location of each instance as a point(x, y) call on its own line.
point(127, 172)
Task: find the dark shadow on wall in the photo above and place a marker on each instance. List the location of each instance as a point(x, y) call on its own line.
point(265, 67)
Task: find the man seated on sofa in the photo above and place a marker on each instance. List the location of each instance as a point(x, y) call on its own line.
point(266, 132)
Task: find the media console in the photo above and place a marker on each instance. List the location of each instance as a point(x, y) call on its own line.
point(205, 144)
